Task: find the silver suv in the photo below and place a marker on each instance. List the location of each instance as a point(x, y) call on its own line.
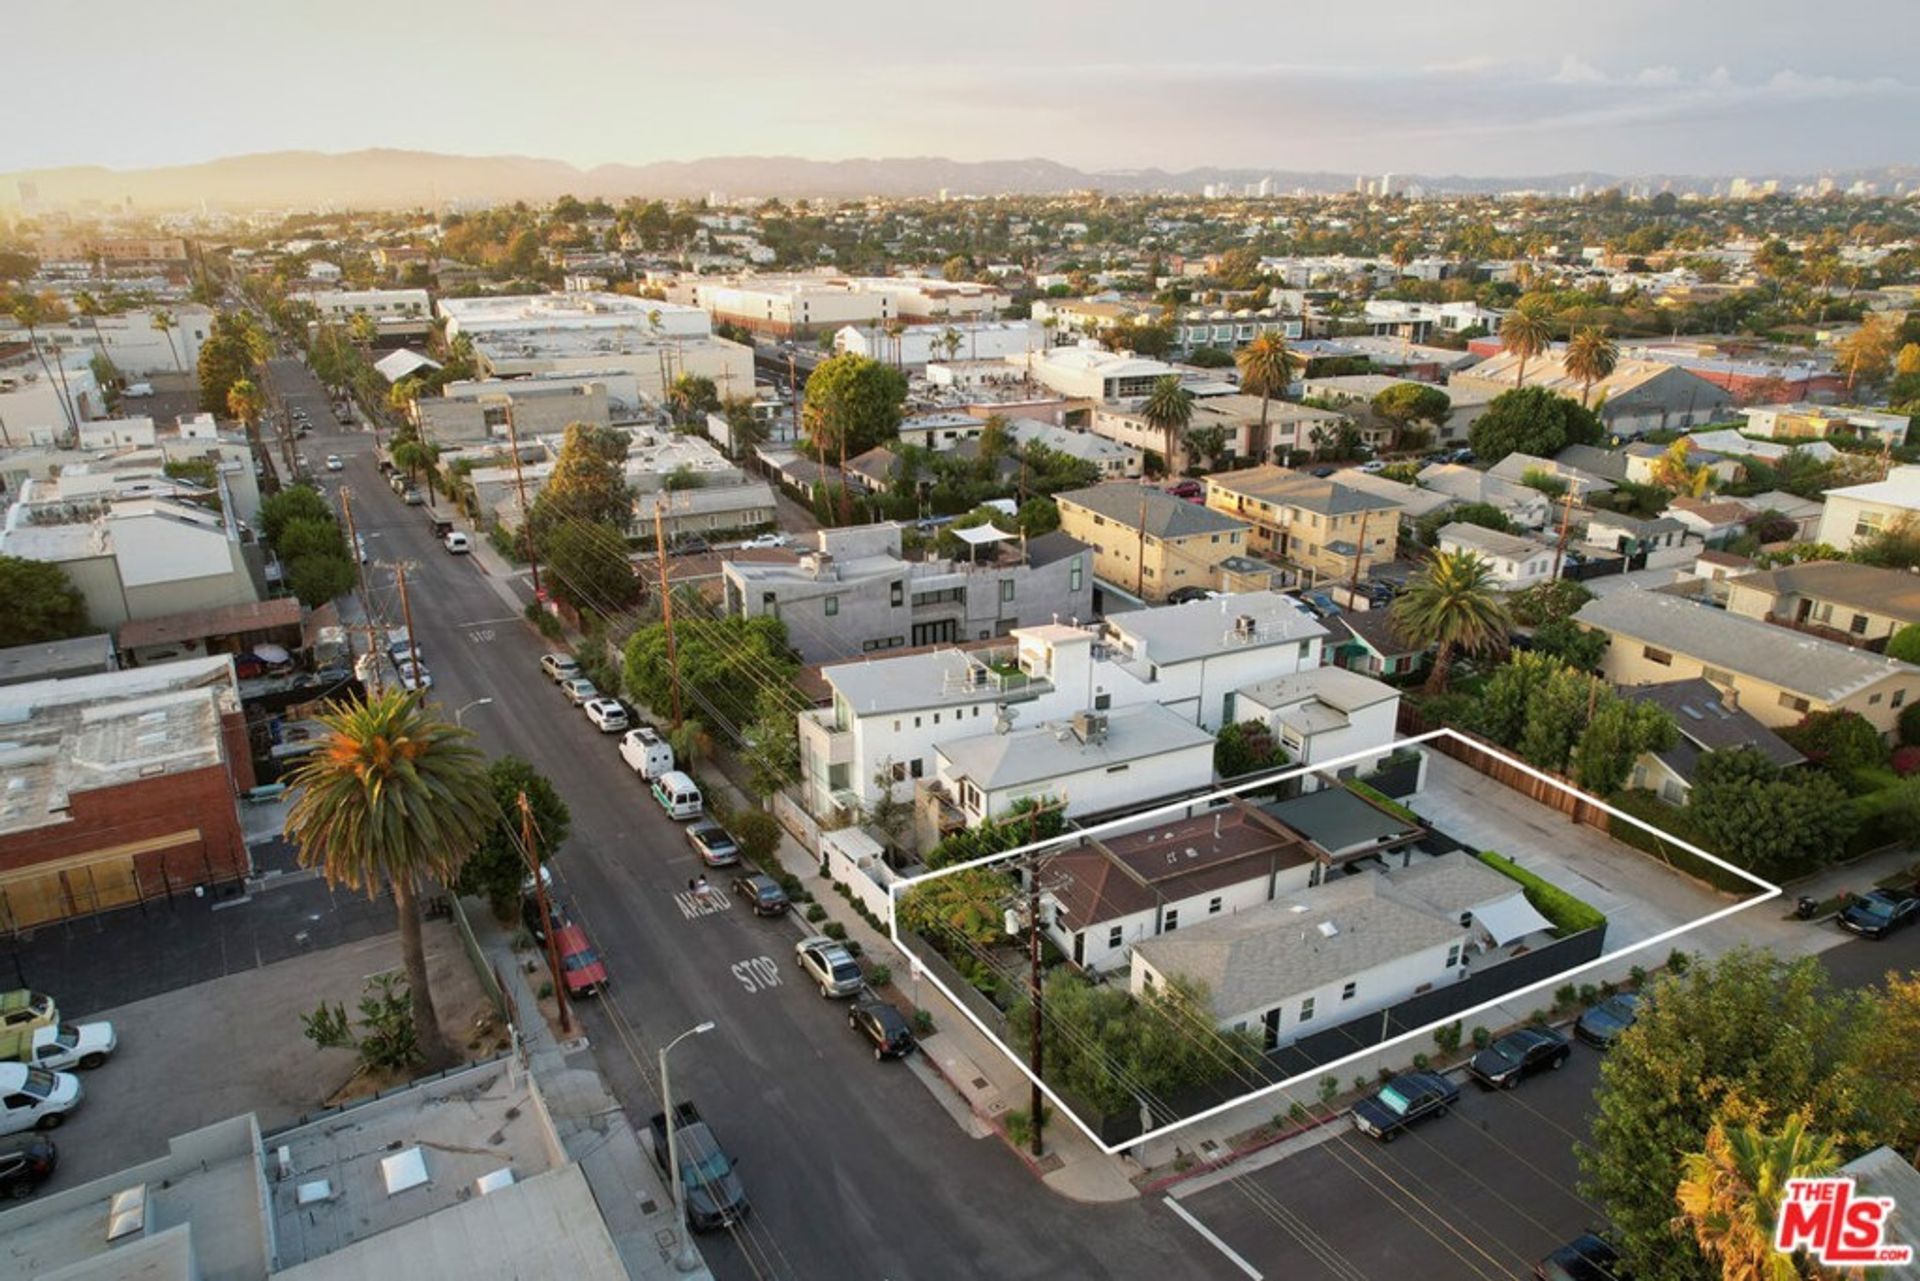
point(830, 965)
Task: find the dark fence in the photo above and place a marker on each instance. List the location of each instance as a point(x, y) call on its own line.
point(1398, 776)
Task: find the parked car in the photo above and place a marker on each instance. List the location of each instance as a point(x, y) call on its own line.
point(1323, 472)
point(412, 497)
point(457, 543)
point(714, 1195)
point(414, 675)
point(830, 965)
point(1320, 603)
point(606, 714)
point(530, 910)
point(33, 1098)
point(1189, 489)
point(560, 667)
point(360, 545)
point(1502, 1065)
point(1602, 1024)
point(761, 542)
point(646, 753)
point(22, 1009)
point(579, 690)
point(689, 545)
point(334, 463)
point(884, 1026)
point(1187, 595)
point(25, 1163)
point(61, 1046)
point(1373, 465)
point(762, 894)
point(1403, 1102)
point(1587, 1257)
point(712, 842)
point(585, 972)
point(1879, 913)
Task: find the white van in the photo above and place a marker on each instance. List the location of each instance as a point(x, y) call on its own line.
point(458, 543)
point(678, 795)
point(646, 752)
point(138, 391)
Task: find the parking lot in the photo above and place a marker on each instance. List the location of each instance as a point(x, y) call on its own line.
point(233, 1045)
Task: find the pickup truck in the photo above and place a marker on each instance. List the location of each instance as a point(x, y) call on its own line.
point(61, 1046)
point(714, 1195)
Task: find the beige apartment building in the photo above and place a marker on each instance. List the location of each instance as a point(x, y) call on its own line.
point(1858, 604)
point(1775, 674)
point(1147, 542)
point(1330, 529)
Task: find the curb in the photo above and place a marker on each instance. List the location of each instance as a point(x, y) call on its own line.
point(1158, 1186)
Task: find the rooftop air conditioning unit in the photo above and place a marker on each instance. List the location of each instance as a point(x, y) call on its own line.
point(1246, 626)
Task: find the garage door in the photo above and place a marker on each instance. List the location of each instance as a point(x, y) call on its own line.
point(81, 885)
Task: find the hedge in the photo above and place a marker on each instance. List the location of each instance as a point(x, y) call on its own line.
point(1385, 802)
point(1568, 914)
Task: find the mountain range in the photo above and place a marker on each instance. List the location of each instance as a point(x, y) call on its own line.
point(385, 178)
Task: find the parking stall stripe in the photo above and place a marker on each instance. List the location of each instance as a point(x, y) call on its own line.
point(1213, 1240)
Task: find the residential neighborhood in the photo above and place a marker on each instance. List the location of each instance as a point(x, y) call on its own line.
point(961, 666)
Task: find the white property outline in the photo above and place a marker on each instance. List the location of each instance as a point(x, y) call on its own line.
point(1769, 892)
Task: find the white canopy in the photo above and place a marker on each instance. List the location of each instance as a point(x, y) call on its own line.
point(1510, 918)
point(980, 535)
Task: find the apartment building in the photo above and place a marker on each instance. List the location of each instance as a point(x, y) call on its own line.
point(1326, 528)
point(1290, 427)
point(807, 305)
point(1147, 542)
point(1857, 604)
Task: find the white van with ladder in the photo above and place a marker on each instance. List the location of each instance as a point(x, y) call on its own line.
point(646, 752)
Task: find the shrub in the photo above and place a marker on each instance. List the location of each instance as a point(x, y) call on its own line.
point(1906, 759)
point(880, 975)
point(1020, 1125)
point(834, 930)
point(1447, 1038)
point(815, 912)
point(1481, 1037)
point(1679, 962)
point(1539, 1018)
point(1568, 914)
point(1296, 1112)
point(1637, 976)
point(545, 991)
point(923, 1023)
point(1589, 994)
point(1361, 1083)
point(1384, 801)
point(1421, 1062)
point(1329, 1086)
point(1565, 996)
point(1910, 723)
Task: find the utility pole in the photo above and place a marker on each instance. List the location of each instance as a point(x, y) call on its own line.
point(1036, 1104)
point(666, 602)
point(366, 602)
point(546, 914)
point(1140, 574)
point(406, 617)
point(846, 494)
point(1359, 555)
point(1566, 527)
point(526, 512)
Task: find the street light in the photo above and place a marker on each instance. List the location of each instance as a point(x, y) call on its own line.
point(685, 1260)
point(478, 702)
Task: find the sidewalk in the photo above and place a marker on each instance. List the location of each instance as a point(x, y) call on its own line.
point(593, 1128)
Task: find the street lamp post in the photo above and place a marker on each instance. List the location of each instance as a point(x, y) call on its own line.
point(478, 702)
point(684, 1260)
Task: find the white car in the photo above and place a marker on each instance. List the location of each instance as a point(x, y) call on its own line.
point(458, 544)
point(74, 1045)
point(560, 667)
point(414, 676)
point(360, 543)
point(762, 542)
point(334, 463)
point(1375, 466)
point(606, 714)
point(34, 1098)
point(579, 691)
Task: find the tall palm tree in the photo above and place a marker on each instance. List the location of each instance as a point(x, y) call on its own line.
point(1730, 1194)
point(245, 402)
point(89, 306)
point(1265, 370)
point(1525, 333)
point(394, 797)
point(163, 322)
point(1452, 605)
point(32, 312)
point(1168, 409)
point(1591, 357)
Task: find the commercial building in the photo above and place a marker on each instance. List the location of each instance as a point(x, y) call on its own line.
point(916, 346)
point(1093, 374)
point(806, 305)
point(120, 787)
point(1146, 541)
point(1638, 396)
point(1319, 525)
point(1776, 674)
point(131, 340)
point(402, 307)
point(853, 592)
point(481, 410)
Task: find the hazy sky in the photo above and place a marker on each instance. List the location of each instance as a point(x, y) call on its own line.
point(1436, 86)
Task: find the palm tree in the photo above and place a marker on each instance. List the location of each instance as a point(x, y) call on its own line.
point(1525, 333)
point(1168, 409)
point(1591, 357)
point(393, 796)
point(162, 321)
point(1265, 370)
point(32, 312)
point(1730, 1194)
point(89, 306)
point(1452, 606)
point(245, 402)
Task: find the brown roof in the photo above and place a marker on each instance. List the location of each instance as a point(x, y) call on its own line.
point(1722, 512)
point(203, 624)
point(1728, 559)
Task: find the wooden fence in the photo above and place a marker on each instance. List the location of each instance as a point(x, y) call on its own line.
point(1488, 758)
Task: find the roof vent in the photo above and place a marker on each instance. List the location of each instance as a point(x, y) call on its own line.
point(127, 1212)
point(317, 1192)
point(1328, 929)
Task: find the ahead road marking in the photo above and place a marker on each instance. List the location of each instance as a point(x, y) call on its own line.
point(693, 903)
point(1213, 1240)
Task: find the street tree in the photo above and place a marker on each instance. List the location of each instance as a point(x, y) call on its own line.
point(393, 797)
point(246, 403)
point(42, 604)
point(852, 404)
point(1452, 606)
point(588, 567)
point(724, 664)
point(1532, 420)
point(498, 866)
point(770, 744)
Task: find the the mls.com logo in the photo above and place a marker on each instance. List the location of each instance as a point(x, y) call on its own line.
point(1836, 1226)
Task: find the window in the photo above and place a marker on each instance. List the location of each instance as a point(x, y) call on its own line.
point(899, 772)
point(917, 769)
point(1859, 625)
point(1214, 904)
point(1660, 656)
point(1172, 920)
point(899, 594)
point(1101, 702)
point(1899, 697)
point(1794, 703)
point(1122, 767)
point(1346, 993)
point(1306, 648)
point(1453, 956)
point(1306, 1010)
point(833, 606)
point(1074, 578)
point(1873, 701)
point(1116, 936)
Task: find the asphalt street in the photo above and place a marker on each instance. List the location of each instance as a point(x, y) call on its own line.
point(853, 1168)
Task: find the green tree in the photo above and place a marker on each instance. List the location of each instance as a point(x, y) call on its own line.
point(956, 268)
point(1452, 606)
point(1773, 825)
point(852, 404)
point(1486, 515)
point(1572, 644)
point(394, 797)
point(42, 603)
point(1405, 406)
point(588, 484)
point(770, 743)
point(587, 567)
point(1168, 409)
point(1548, 602)
point(1895, 547)
point(692, 397)
point(1618, 732)
point(1209, 443)
point(1905, 644)
point(1841, 741)
point(282, 509)
point(1245, 747)
point(1532, 420)
point(967, 906)
point(724, 663)
point(1266, 370)
point(1591, 357)
point(1524, 331)
point(319, 579)
point(1867, 353)
point(498, 866)
point(1501, 714)
point(233, 349)
point(1730, 1193)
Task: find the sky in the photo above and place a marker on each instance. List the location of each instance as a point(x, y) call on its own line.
point(1469, 87)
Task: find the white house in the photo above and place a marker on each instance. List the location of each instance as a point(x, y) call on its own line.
point(1348, 947)
point(1522, 504)
point(941, 432)
point(1323, 714)
point(1115, 460)
point(1515, 562)
point(1856, 512)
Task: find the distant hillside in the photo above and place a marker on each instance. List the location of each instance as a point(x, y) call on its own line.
point(397, 179)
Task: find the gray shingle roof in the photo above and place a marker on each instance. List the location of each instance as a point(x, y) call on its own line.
point(1706, 724)
point(1814, 668)
point(1286, 488)
point(1165, 515)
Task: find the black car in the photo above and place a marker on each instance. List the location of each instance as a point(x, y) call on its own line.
point(715, 846)
point(1602, 1025)
point(1519, 1054)
point(690, 545)
point(1585, 1258)
point(883, 1025)
point(1401, 1102)
point(1187, 595)
point(1879, 913)
point(530, 915)
point(26, 1161)
point(762, 893)
point(1323, 472)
